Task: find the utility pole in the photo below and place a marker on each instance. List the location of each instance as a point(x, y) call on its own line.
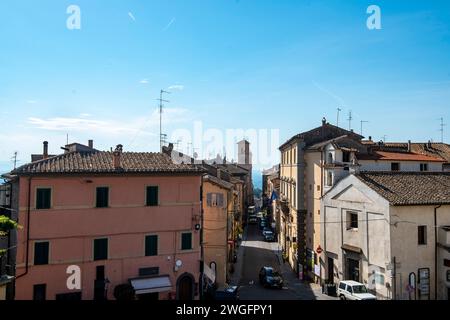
point(362, 122)
point(338, 112)
point(160, 116)
point(442, 125)
point(350, 118)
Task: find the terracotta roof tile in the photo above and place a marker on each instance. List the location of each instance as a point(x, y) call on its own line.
point(398, 156)
point(102, 162)
point(410, 188)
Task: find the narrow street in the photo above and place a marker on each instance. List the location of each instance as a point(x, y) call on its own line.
point(254, 254)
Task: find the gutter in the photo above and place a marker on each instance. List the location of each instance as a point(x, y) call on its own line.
point(435, 252)
point(28, 230)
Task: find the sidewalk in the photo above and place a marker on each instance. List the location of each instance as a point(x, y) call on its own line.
point(303, 289)
point(235, 277)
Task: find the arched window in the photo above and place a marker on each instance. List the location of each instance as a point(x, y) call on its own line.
point(330, 158)
point(329, 179)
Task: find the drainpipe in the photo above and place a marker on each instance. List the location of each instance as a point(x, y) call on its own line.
point(202, 253)
point(28, 229)
point(435, 252)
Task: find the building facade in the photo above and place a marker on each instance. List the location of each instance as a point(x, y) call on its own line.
point(379, 228)
point(116, 218)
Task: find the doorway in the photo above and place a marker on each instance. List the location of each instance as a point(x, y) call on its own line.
point(353, 269)
point(330, 264)
point(185, 288)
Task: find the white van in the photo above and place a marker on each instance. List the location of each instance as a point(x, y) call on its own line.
point(352, 290)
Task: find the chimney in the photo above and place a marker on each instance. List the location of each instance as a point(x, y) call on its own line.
point(91, 144)
point(117, 154)
point(324, 121)
point(370, 138)
point(429, 144)
point(409, 145)
point(45, 153)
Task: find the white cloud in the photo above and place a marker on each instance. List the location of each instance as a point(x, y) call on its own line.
point(142, 125)
point(144, 81)
point(178, 87)
point(131, 16)
point(169, 24)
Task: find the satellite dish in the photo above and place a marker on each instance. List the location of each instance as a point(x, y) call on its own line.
point(178, 263)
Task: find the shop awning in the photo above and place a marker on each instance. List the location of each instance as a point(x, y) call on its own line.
point(151, 285)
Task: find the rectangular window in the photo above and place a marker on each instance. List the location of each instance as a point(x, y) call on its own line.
point(39, 292)
point(345, 156)
point(102, 197)
point(422, 235)
point(151, 245)
point(352, 220)
point(186, 241)
point(100, 249)
point(151, 271)
point(395, 166)
point(41, 252)
point(424, 167)
point(152, 196)
point(43, 198)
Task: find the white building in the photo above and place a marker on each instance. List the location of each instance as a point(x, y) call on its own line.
point(379, 228)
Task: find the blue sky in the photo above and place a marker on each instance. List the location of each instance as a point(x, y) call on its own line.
point(228, 63)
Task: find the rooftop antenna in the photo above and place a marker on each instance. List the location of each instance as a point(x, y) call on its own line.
point(362, 122)
point(14, 159)
point(350, 118)
point(442, 125)
point(338, 112)
point(189, 147)
point(67, 139)
point(384, 138)
point(177, 144)
point(160, 116)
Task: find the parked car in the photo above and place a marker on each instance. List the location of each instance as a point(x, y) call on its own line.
point(252, 219)
point(227, 293)
point(269, 236)
point(352, 290)
point(270, 278)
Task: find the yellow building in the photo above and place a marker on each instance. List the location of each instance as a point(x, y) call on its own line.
point(301, 187)
point(218, 195)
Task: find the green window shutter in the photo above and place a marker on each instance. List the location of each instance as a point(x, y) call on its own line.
point(43, 198)
point(102, 197)
point(151, 245)
point(100, 249)
point(186, 241)
point(152, 196)
point(41, 252)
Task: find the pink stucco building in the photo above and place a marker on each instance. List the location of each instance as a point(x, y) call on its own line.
point(125, 219)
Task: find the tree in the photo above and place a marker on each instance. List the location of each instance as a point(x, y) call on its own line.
point(6, 225)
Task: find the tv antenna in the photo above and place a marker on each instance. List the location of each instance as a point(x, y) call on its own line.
point(14, 159)
point(362, 122)
point(442, 125)
point(338, 112)
point(350, 118)
point(161, 105)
